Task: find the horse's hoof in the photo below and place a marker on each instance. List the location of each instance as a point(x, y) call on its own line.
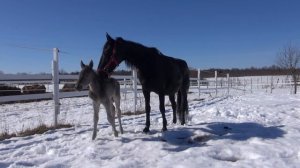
point(174, 121)
point(116, 134)
point(94, 136)
point(146, 130)
point(164, 129)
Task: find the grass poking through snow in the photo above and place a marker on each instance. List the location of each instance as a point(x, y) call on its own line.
point(38, 130)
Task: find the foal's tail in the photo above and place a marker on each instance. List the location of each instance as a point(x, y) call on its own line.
point(182, 103)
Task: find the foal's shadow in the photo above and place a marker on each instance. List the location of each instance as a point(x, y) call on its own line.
point(180, 139)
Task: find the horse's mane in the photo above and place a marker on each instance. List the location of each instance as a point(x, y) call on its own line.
point(150, 51)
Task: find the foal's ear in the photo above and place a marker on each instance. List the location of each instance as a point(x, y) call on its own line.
point(108, 37)
point(82, 64)
point(91, 64)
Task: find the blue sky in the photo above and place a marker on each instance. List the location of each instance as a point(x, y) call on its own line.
point(207, 34)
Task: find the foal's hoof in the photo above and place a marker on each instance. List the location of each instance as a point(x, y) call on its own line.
point(174, 121)
point(164, 129)
point(146, 130)
point(116, 134)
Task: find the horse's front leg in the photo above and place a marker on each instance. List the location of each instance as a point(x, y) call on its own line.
point(96, 106)
point(147, 109)
point(172, 100)
point(162, 111)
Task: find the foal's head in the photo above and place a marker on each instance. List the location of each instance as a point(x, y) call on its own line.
point(85, 75)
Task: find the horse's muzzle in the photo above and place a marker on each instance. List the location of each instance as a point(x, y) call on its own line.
point(78, 87)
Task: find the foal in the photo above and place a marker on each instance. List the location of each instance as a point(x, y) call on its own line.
point(104, 91)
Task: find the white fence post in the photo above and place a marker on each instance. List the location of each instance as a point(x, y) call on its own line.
point(125, 88)
point(245, 83)
point(251, 84)
point(228, 84)
point(199, 78)
point(271, 85)
point(134, 75)
point(216, 80)
point(55, 80)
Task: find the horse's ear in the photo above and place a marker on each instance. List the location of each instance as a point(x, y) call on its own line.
point(108, 37)
point(91, 64)
point(82, 64)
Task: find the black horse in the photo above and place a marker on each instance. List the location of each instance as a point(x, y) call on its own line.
point(157, 73)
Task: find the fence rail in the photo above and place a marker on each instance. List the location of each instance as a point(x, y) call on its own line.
point(128, 83)
point(45, 79)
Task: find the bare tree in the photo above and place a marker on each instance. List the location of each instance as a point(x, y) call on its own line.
point(289, 59)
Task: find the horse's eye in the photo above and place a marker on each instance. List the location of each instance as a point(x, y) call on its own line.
point(106, 50)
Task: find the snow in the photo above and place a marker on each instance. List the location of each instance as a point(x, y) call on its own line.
point(245, 130)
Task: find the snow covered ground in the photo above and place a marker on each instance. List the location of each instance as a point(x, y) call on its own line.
point(245, 130)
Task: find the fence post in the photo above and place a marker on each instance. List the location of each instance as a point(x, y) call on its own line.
point(228, 84)
point(251, 84)
point(271, 85)
point(125, 88)
point(216, 80)
point(134, 76)
point(245, 83)
point(199, 78)
point(55, 81)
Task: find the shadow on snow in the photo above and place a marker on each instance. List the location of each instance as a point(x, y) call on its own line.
point(180, 139)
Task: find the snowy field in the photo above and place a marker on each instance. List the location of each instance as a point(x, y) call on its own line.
point(244, 130)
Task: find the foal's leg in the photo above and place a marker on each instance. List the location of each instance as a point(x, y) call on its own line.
point(172, 100)
point(96, 106)
point(147, 109)
point(162, 111)
point(110, 112)
point(117, 102)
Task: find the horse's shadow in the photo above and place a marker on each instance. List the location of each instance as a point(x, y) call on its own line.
point(183, 138)
point(243, 131)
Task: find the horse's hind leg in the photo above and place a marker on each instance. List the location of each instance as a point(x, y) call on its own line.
point(172, 100)
point(183, 106)
point(96, 106)
point(147, 109)
point(178, 108)
point(110, 112)
point(117, 103)
point(162, 110)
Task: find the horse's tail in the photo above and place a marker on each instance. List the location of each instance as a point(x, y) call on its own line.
point(182, 103)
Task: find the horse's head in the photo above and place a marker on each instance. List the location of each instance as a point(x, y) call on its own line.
point(111, 56)
point(85, 75)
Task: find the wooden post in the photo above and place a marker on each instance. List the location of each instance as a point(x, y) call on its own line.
point(55, 81)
